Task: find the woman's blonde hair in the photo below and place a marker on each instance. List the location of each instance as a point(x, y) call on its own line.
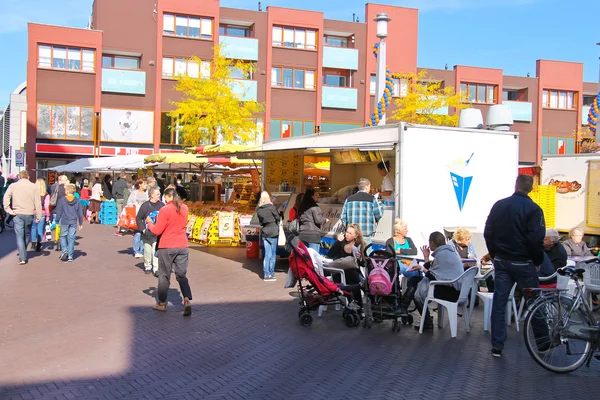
point(360, 240)
point(398, 225)
point(41, 184)
point(265, 198)
point(462, 235)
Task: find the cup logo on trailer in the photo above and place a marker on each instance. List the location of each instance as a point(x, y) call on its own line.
point(462, 176)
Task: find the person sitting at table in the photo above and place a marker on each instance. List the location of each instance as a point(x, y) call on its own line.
point(555, 251)
point(349, 244)
point(461, 243)
point(400, 244)
point(575, 246)
point(446, 266)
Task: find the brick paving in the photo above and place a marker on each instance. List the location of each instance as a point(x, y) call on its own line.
point(85, 330)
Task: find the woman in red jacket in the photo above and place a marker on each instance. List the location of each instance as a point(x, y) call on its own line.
point(172, 250)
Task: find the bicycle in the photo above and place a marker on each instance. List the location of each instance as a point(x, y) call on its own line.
point(560, 331)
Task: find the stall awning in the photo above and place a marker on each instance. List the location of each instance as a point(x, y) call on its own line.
point(216, 149)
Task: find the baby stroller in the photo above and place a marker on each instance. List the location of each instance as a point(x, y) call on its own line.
point(320, 291)
point(382, 290)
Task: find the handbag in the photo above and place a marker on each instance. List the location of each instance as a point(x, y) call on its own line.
point(281, 238)
point(294, 226)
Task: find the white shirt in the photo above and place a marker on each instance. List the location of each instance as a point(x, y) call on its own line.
point(387, 186)
point(96, 192)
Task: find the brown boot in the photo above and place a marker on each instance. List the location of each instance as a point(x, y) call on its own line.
point(187, 307)
point(160, 307)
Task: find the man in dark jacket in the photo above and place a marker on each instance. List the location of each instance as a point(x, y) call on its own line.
point(69, 215)
point(514, 235)
point(149, 239)
point(58, 187)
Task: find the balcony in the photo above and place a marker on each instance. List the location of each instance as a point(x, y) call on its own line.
point(585, 110)
point(239, 48)
point(247, 90)
point(338, 97)
point(522, 111)
point(340, 58)
point(123, 81)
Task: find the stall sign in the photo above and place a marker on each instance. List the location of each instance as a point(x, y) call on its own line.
point(226, 224)
point(204, 230)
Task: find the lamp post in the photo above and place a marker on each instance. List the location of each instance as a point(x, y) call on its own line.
point(382, 20)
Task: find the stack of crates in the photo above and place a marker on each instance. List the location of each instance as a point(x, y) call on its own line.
point(545, 197)
point(108, 213)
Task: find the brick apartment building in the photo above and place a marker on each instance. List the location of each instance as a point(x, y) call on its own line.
point(107, 90)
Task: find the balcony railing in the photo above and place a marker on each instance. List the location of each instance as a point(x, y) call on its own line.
point(522, 111)
point(239, 48)
point(341, 58)
point(337, 97)
point(247, 90)
point(123, 81)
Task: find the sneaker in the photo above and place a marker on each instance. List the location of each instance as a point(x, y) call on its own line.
point(63, 257)
point(118, 233)
point(155, 274)
point(21, 262)
point(138, 256)
point(269, 279)
point(147, 271)
point(70, 260)
point(496, 353)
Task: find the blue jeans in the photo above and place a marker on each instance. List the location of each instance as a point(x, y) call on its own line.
point(67, 239)
point(314, 246)
point(37, 230)
point(506, 273)
point(270, 256)
point(138, 244)
point(22, 226)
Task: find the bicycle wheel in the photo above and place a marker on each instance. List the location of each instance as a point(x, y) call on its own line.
point(554, 337)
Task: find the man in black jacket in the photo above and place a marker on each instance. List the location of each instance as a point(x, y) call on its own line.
point(514, 235)
point(149, 239)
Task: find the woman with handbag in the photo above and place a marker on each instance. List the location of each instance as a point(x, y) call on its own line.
point(269, 221)
point(95, 201)
point(311, 220)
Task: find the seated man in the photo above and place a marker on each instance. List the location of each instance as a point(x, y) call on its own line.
point(446, 266)
point(555, 251)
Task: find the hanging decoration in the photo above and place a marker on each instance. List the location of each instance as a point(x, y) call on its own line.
point(593, 115)
point(388, 92)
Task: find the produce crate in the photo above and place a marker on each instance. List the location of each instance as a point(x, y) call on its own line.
point(545, 197)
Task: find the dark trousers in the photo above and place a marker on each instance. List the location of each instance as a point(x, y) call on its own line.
point(506, 274)
point(172, 260)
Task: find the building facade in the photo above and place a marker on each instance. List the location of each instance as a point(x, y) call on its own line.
point(107, 90)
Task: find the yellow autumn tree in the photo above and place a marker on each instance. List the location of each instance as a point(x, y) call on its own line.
point(426, 101)
point(211, 110)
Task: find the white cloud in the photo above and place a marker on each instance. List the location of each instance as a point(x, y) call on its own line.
point(15, 14)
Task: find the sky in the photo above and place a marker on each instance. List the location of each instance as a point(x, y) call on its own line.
point(506, 34)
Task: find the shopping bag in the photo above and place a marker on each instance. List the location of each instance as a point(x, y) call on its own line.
point(48, 233)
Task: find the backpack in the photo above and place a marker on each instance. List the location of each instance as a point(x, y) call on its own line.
point(54, 197)
point(379, 280)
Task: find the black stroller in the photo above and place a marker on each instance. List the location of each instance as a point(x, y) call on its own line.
point(382, 291)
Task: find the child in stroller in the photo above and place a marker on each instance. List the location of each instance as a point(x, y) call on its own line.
point(321, 291)
point(382, 291)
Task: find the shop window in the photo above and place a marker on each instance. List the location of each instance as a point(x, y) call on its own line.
point(69, 122)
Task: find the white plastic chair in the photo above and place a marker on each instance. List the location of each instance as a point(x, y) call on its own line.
point(466, 284)
point(488, 299)
point(591, 280)
point(318, 262)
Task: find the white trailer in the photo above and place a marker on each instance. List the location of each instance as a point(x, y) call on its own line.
point(444, 177)
point(577, 190)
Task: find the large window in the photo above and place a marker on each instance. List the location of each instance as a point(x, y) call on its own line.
point(233, 30)
point(120, 62)
point(180, 66)
point(479, 93)
point(335, 41)
point(188, 26)
point(281, 129)
point(510, 95)
point(293, 78)
point(64, 122)
point(170, 131)
point(559, 99)
point(66, 58)
point(295, 37)
point(336, 78)
point(400, 86)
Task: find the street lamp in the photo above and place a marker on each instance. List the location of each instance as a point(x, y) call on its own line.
point(382, 20)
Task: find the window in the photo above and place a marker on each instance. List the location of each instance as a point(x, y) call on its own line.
point(400, 86)
point(559, 99)
point(170, 130)
point(293, 78)
point(232, 30)
point(239, 73)
point(65, 122)
point(295, 37)
point(336, 41)
point(120, 62)
point(66, 58)
point(588, 100)
point(510, 95)
point(181, 66)
point(187, 26)
point(336, 78)
point(281, 129)
point(479, 93)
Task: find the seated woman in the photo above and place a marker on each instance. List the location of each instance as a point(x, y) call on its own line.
point(446, 266)
point(575, 246)
point(555, 251)
point(461, 243)
point(347, 245)
point(401, 244)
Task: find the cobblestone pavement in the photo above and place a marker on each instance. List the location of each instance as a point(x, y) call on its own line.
point(85, 330)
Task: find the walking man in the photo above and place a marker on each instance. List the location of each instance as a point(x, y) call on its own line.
point(26, 202)
point(514, 235)
point(148, 238)
point(363, 209)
